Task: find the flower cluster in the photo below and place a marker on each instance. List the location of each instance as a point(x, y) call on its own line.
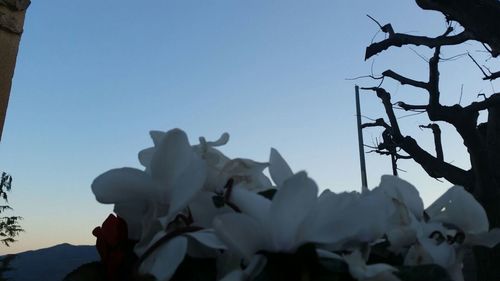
point(192, 206)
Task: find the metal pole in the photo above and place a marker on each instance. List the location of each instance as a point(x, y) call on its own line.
point(364, 182)
point(394, 164)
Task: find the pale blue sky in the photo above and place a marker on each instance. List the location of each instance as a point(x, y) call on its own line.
point(93, 77)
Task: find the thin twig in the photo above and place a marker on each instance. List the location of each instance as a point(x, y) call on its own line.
point(379, 25)
point(461, 93)
point(409, 115)
point(484, 73)
point(455, 57)
point(419, 55)
point(365, 76)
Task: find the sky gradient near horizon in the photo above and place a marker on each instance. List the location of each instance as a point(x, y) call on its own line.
point(93, 77)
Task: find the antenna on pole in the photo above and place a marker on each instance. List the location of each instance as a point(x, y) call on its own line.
point(364, 182)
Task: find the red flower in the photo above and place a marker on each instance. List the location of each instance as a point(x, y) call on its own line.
point(113, 245)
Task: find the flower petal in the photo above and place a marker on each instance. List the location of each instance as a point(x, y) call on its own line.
point(417, 255)
point(360, 271)
point(133, 213)
point(365, 220)
point(400, 237)
point(290, 206)
point(145, 156)
point(327, 254)
point(486, 239)
point(247, 173)
point(163, 262)
point(322, 224)
point(442, 254)
point(173, 154)
point(251, 203)
point(278, 168)
point(157, 136)
point(241, 233)
point(122, 185)
point(255, 266)
point(187, 185)
point(208, 238)
point(222, 140)
point(458, 207)
point(226, 263)
point(203, 209)
point(404, 192)
point(144, 244)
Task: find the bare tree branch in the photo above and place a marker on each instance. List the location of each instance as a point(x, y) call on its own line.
point(400, 39)
point(436, 131)
point(493, 100)
point(435, 167)
point(492, 76)
point(480, 18)
point(397, 155)
point(385, 97)
point(378, 123)
point(408, 107)
point(404, 80)
point(477, 64)
point(433, 85)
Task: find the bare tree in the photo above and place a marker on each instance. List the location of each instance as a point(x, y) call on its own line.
point(480, 20)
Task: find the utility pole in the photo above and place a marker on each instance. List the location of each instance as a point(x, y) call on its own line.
point(364, 182)
point(12, 13)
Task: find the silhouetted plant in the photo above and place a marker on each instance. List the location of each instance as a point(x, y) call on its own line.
point(9, 225)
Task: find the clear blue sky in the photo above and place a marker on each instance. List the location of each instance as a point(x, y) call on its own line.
point(93, 77)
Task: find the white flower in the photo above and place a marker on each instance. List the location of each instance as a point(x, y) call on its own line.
point(294, 217)
point(402, 192)
point(264, 225)
point(456, 213)
point(219, 168)
point(150, 200)
point(164, 260)
point(458, 209)
point(203, 210)
point(278, 168)
point(431, 247)
point(352, 219)
point(405, 223)
point(246, 172)
point(176, 174)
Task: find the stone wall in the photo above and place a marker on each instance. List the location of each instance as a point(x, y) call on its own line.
point(12, 13)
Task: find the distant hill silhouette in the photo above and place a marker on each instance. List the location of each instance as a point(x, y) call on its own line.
point(49, 264)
